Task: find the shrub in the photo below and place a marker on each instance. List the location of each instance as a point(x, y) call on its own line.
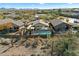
point(64, 47)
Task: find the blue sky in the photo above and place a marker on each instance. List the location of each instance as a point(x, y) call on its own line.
point(38, 5)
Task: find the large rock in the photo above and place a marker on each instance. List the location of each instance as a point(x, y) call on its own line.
point(5, 40)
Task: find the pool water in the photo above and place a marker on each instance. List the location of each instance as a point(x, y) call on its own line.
point(41, 32)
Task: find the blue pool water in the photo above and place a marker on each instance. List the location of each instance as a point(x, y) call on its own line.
point(41, 32)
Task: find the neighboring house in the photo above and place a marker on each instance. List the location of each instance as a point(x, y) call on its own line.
point(9, 25)
point(71, 20)
point(5, 24)
point(39, 27)
point(58, 26)
point(74, 23)
point(17, 25)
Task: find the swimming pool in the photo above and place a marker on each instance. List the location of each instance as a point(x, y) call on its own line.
point(41, 32)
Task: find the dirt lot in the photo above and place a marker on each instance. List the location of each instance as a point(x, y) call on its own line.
point(33, 46)
point(17, 51)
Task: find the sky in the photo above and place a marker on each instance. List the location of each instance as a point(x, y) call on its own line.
point(38, 5)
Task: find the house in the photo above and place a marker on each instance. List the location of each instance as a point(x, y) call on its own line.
point(70, 20)
point(73, 22)
point(16, 25)
point(58, 26)
point(9, 25)
point(5, 25)
point(39, 27)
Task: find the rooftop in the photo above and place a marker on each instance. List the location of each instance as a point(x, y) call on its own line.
point(40, 21)
point(18, 23)
point(3, 21)
point(55, 22)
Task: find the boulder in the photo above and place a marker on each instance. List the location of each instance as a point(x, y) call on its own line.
point(5, 41)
